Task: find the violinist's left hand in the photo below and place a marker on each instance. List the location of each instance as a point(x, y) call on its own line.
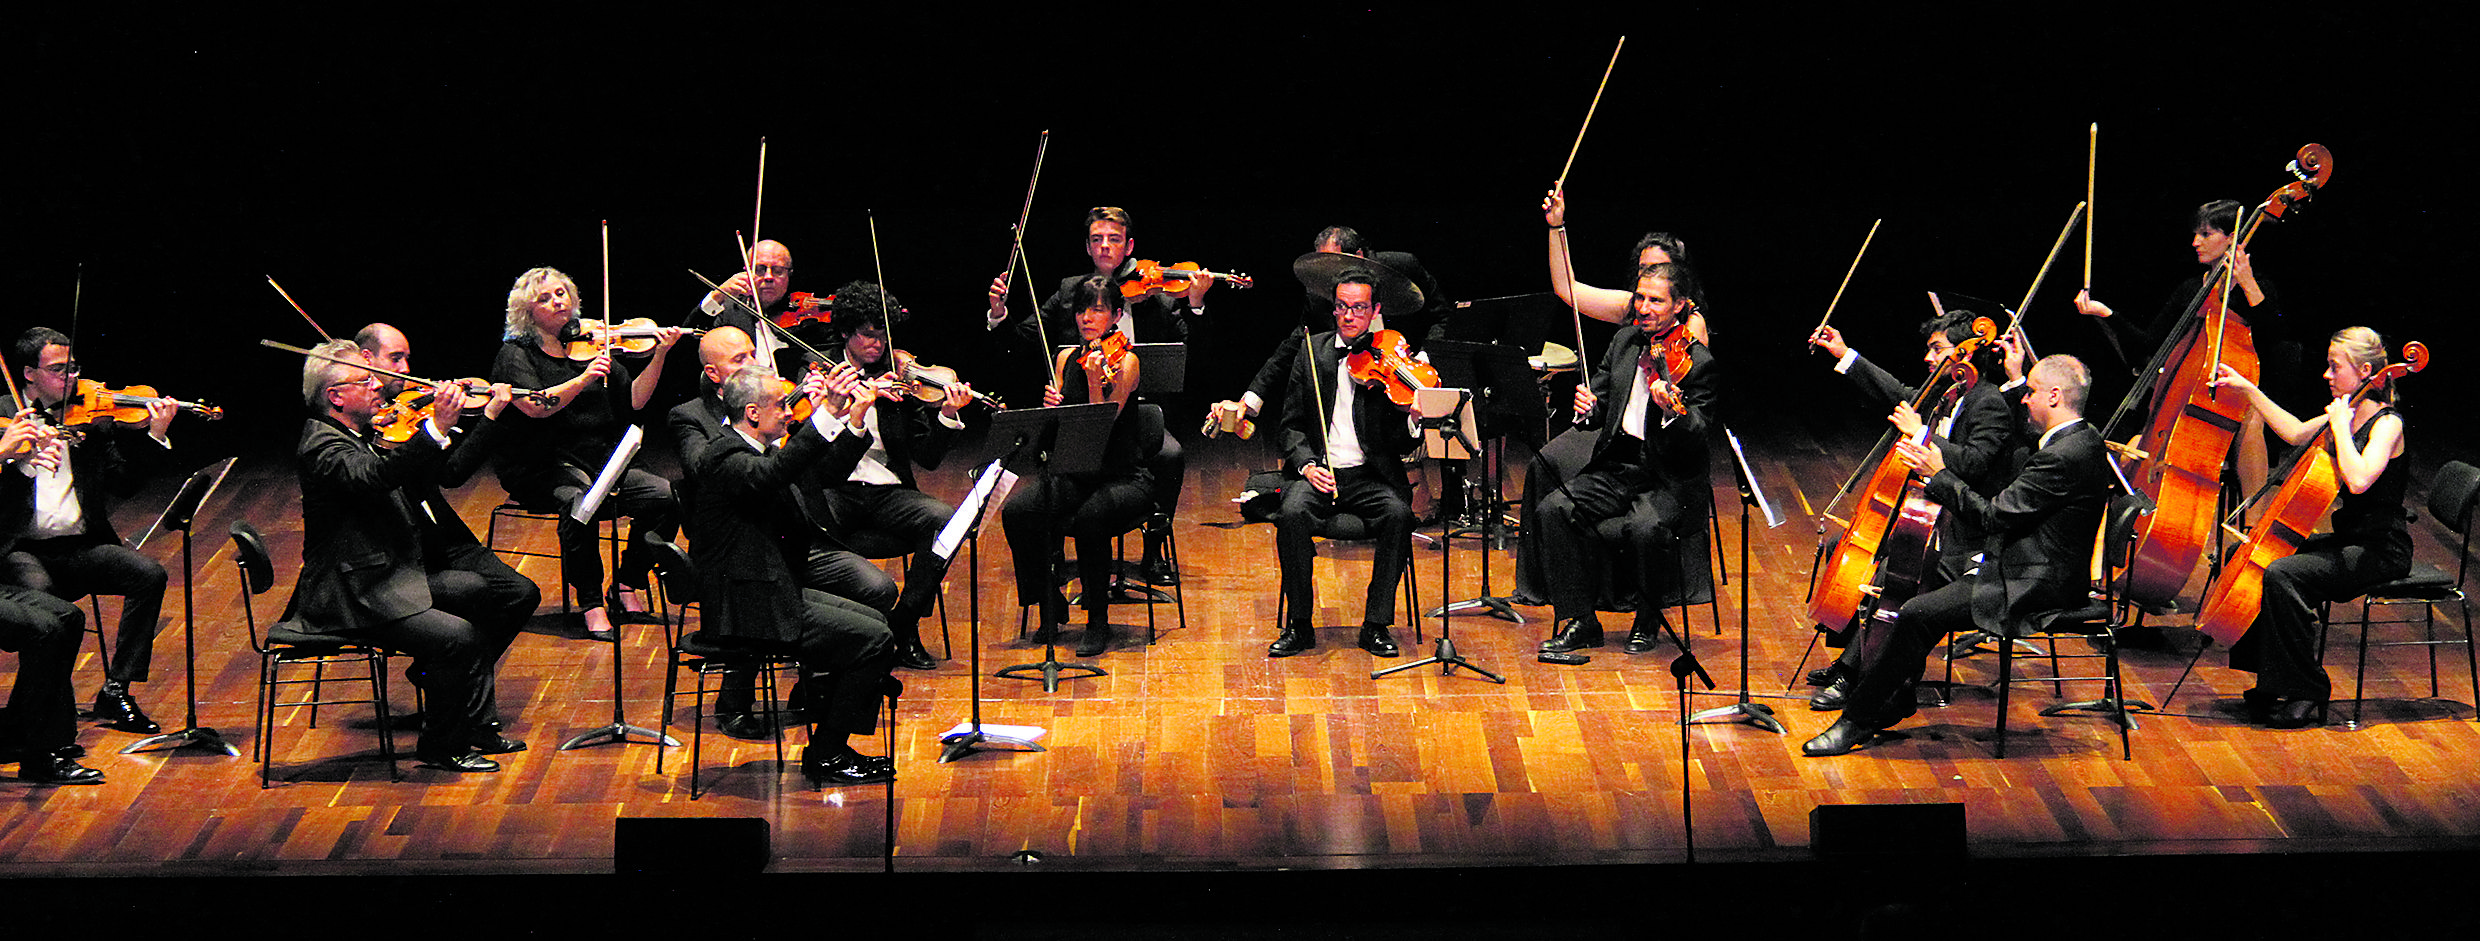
point(501, 394)
point(159, 416)
point(1197, 288)
point(664, 337)
point(447, 404)
point(958, 393)
point(1905, 420)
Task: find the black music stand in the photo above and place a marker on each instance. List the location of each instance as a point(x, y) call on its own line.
point(1064, 439)
point(1682, 667)
point(1499, 377)
point(1444, 437)
point(1165, 373)
point(590, 509)
point(178, 516)
point(1744, 711)
point(976, 511)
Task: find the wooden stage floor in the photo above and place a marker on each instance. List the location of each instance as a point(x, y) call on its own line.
point(1200, 753)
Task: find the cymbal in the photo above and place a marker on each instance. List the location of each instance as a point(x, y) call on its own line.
point(1318, 271)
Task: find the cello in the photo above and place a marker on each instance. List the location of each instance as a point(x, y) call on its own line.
point(2290, 513)
point(1888, 537)
point(2191, 427)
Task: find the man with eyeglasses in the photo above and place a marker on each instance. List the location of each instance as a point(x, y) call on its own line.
point(765, 284)
point(66, 544)
point(1111, 244)
point(1344, 448)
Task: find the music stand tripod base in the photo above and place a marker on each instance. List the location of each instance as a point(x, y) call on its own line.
point(1447, 660)
point(956, 745)
point(1051, 671)
point(1750, 713)
point(201, 737)
point(1499, 608)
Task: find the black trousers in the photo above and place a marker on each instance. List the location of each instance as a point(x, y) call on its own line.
point(1089, 507)
point(1359, 492)
point(1607, 503)
point(644, 498)
point(72, 567)
point(1891, 656)
point(849, 643)
point(2281, 646)
point(895, 516)
point(45, 632)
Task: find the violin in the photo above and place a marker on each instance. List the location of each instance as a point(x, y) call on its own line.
point(1157, 278)
point(804, 307)
point(2290, 514)
point(401, 418)
point(92, 403)
point(911, 377)
point(1102, 356)
point(636, 336)
point(1386, 363)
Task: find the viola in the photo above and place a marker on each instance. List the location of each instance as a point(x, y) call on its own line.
point(1386, 364)
point(402, 417)
point(803, 307)
point(636, 336)
point(1102, 355)
point(93, 403)
point(2290, 514)
point(911, 377)
point(2191, 428)
point(1156, 278)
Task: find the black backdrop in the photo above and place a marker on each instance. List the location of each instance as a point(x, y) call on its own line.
point(407, 169)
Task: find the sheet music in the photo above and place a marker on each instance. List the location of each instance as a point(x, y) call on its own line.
point(992, 486)
point(1763, 505)
point(620, 457)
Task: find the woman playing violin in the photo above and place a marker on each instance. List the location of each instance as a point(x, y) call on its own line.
point(1092, 507)
point(2369, 545)
point(551, 454)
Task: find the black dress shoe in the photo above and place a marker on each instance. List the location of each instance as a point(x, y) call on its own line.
point(57, 768)
point(114, 708)
point(1097, 639)
point(911, 655)
point(1295, 639)
point(848, 768)
point(1832, 697)
point(464, 762)
point(749, 726)
point(1641, 640)
point(1843, 736)
point(1378, 640)
point(493, 743)
point(1826, 675)
point(2297, 714)
point(1573, 635)
point(2260, 705)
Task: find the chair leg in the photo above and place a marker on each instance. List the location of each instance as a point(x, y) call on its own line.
point(387, 726)
point(2006, 686)
point(2359, 675)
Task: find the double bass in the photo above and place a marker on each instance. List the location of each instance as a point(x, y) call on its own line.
point(1885, 550)
point(2191, 428)
point(2290, 513)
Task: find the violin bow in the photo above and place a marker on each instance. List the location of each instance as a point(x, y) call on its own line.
point(2092, 165)
point(305, 315)
point(1041, 326)
point(2015, 318)
point(1326, 433)
point(1584, 365)
point(544, 397)
point(753, 312)
point(886, 321)
point(607, 282)
point(1016, 239)
point(1855, 267)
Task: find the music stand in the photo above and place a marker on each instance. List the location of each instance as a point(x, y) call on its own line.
point(1443, 437)
point(588, 508)
point(178, 516)
point(1064, 439)
point(1682, 667)
point(1492, 371)
point(970, 515)
point(1165, 373)
point(1744, 711)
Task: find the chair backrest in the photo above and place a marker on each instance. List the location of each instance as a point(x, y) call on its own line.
point(676, 580)
point(1149, 431)
point(258, 572)
point(2118, 528)
point(2451, 494)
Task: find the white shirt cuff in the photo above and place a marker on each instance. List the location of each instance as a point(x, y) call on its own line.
point(1250, 401)
point(1843, 365)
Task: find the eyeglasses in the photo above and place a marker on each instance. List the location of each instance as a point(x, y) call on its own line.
point(63, 369)
point(772, 271)
point(1362, 307)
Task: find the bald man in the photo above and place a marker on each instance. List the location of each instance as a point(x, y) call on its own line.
point(765, 285)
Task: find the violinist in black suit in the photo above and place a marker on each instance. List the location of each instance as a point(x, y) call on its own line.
point(750, 534)
point(44, 631)
point(1345, 447)
point(1975, 430)
point(366, 574)
point(1645, 482)
point(2036, 555)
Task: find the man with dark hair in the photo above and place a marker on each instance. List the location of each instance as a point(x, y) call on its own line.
point(1345, 448)
point(2037, 555)
point(1975, 431)
point(749, 535)
point(368, 572)
point(66, 544)
point(1110, 243)
point(1645, 482)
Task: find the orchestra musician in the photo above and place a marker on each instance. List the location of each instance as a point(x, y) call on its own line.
point(770, 272)
point(2259, 303)
point(1317, 313)
point(1976, 432)
point(2036, 555)
point(1644, 477)
point(750, 534)
point(1347, 458)
point(1091, 507)
point(40, 732)
point(368, 573)
point(1111, 244)
point(2370, 543)
point(65, 541)
point(879, 497)
point(553, 452)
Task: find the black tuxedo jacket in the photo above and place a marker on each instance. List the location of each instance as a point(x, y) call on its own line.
point(2040, 529)
point(106, 466)
point(361, 555)
point(1676, 452)
point(750, 538)
point(1384, 433)
point(1984, 447)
